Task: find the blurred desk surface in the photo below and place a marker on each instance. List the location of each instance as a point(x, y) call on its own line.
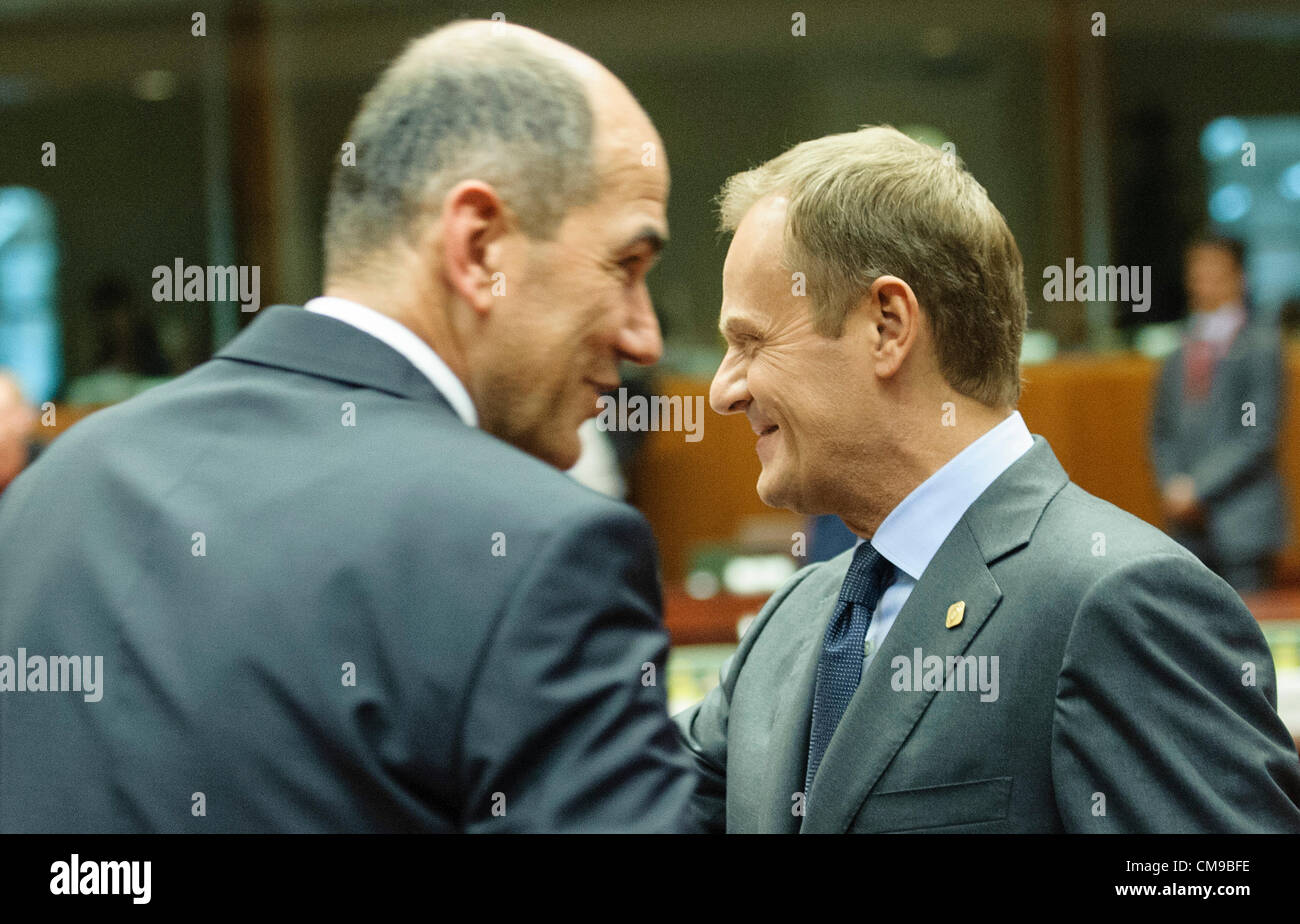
point(59, 418)
point(712, 621)
point(1275, 604)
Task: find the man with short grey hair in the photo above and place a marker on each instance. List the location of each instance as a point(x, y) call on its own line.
point(1001, 652)
point(336, 575)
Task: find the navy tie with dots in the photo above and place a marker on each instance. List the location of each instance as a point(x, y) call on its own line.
point(839, 669)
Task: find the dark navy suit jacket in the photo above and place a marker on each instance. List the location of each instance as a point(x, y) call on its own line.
point(403, 624)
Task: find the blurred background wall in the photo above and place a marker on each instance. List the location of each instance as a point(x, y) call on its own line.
point(218, 148)
point(1101, 148)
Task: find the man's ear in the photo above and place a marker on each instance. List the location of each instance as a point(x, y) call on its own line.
point(893, 311)
point(473, 223)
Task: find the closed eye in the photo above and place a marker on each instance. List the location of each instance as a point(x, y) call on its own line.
point(636, 266)
point(738, 333)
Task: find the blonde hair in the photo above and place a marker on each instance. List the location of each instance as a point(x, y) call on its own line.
point(876, 203)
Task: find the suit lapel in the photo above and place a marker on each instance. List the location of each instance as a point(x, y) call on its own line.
point(784, 773)
point(287, 337)
point(879, 718)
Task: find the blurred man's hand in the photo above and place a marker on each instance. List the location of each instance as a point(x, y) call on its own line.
point(17, 421)
point(1181, 503)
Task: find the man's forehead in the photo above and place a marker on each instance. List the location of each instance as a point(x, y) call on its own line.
point(635, 199)
point(755, 279)
point(764, 223)
point(758, 246)
point(749, 292)
point(635, 170)
point(627, 147)
point(1210, 253)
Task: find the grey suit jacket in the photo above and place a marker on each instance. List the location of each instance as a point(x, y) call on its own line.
point(1135, 691)
point(402, 625)
point(1233, 466)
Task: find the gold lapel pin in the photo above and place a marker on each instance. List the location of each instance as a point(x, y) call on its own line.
point(955, 614)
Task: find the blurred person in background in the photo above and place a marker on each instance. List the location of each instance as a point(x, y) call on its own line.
point(1215, 424)
point(17, 422)
point(828, 536)
point(597, 466)
point(29, 328)
point(130, 357)
point(1290, 318)
point(609, 456)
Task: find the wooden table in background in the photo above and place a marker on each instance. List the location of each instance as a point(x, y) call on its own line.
point(1274, 604)
point(707, 622)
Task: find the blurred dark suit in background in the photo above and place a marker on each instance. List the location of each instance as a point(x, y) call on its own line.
point(1215, 424)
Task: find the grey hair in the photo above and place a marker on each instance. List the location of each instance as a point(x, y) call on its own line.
point(459, 105)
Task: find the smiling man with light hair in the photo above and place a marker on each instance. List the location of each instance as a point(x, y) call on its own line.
point(1136, 692)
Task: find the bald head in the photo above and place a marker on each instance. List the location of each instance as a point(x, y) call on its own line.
point(508, 199)
point(486, 38)
point(488, 101)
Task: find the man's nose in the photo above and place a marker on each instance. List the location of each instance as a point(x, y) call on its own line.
point(729, 392)
point(639, 339)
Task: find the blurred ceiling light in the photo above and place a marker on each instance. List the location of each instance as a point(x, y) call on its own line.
point(701, 585)
point(155, 86)
point(1222, 138)
point(1229, 203)
point(1037, 346)
point(1289, 184)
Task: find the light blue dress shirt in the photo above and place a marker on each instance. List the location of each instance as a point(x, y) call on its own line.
point(914, 530)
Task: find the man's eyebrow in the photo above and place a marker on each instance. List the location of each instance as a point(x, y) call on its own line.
point(657, 240)
point(735, 326)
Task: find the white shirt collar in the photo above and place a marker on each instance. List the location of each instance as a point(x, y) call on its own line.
point(1220, 325)
point(405, 342)
point(914, 530)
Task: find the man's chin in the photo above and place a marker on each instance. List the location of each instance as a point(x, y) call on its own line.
point(557, 457)
point(771, 491)
point(563, 454)
point(554, 449)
